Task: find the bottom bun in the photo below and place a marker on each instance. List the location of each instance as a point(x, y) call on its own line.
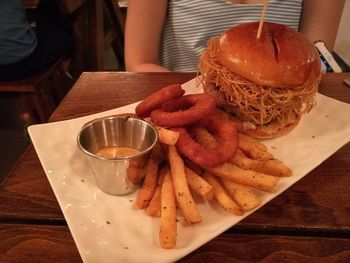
point(271, 130)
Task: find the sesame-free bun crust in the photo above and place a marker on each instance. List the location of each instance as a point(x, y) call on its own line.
point(281, 57)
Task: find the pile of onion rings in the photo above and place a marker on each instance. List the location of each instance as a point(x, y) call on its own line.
point(184, 110)
point(170, 108)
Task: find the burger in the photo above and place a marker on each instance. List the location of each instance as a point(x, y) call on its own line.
point(266, 82)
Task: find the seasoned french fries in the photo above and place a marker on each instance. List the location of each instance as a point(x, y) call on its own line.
point(184, 198)
point(253, 148)
point(153, 209)
point(198, 184)
point(243, 195)
point(273, 167)
point(149, 184)
point(227, 203)
point(167, 136)
point(251, 178)
point(168, 224)
point(170, 179)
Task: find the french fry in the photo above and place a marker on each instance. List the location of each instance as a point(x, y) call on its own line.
point(158, 152)
point(136, 170)
point(194, 167)
point(252, 141)
point(198, 184)
point(139, 163)
point(204, 137)
point(273, 167)
point(227, 170)
point(153, 209)
point(168, 224)
point(167, 136)
point(227, 203)
point(253, 148)
point(243, 195)
point(184, 198)
point(241, 160)
point(135, 174)
point(149, 184)
point(251, 178)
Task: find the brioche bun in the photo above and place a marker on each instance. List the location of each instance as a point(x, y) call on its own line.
point(267, 83)
point(281, 57)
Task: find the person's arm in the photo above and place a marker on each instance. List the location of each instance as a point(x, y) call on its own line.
point(143, 29)
point(320, 20)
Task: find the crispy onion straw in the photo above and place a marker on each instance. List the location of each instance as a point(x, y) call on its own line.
point(257, 104)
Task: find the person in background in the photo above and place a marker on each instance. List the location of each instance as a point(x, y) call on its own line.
point(170, 35)
point(25, 50)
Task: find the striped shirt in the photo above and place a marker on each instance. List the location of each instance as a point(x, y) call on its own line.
point(190, 23)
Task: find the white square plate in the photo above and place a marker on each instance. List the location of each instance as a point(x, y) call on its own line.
point(107, 229)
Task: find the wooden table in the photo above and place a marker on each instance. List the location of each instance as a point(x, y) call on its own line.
point(310, 222)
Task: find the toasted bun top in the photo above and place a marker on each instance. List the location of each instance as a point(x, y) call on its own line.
point(281, 57)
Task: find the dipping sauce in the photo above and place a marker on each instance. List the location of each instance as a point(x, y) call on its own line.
point(114, 151)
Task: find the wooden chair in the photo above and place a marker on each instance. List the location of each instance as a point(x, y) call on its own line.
point(40, 93)
point(98, 25)
point(116, 19)
point(105, 29)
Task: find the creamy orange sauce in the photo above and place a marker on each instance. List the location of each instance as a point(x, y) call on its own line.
point(112, 152)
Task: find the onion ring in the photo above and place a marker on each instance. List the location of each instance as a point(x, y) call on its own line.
point(224, 133)
point(154, 101)
point(183, 111)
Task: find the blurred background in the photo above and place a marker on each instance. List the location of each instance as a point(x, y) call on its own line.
point(342, 44)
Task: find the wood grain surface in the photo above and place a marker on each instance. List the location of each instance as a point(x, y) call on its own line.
point(36, 243)
point(42, 243)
